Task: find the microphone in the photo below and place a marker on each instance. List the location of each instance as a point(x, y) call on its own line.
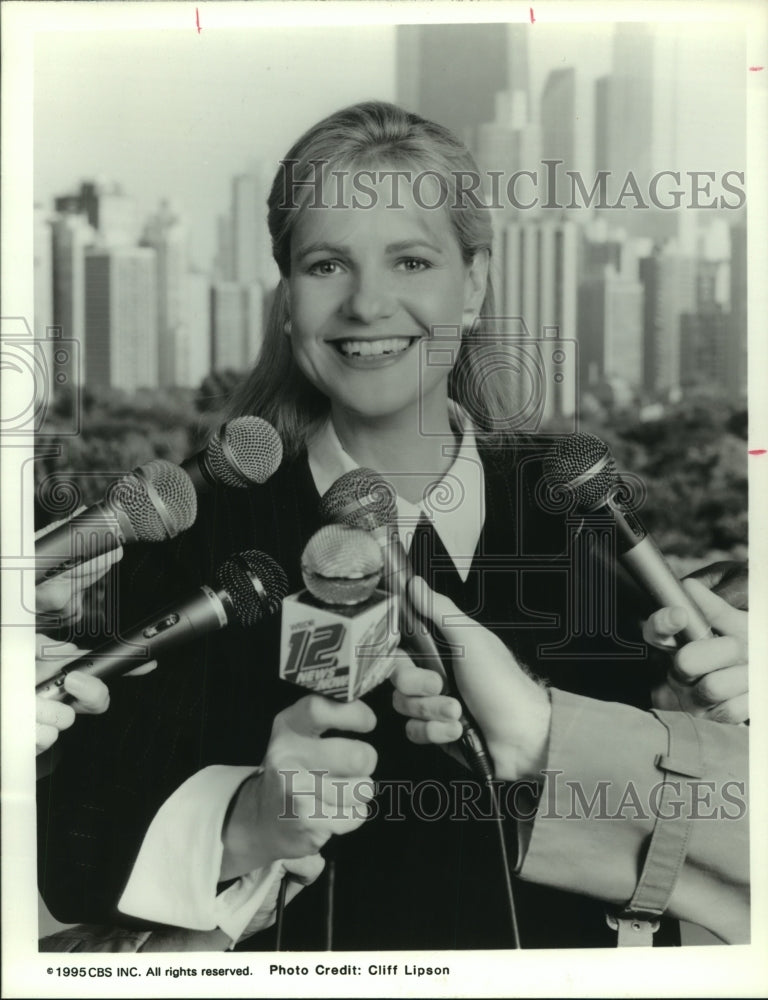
point(243, 452)
point(150, 504)
point(362, 499)
point(250, 586)
point(583, 465)
point(338, 634)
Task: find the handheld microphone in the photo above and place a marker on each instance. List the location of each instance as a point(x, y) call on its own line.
point(150, 504)
point(338, 634)
point(243, 452)
point(362, 499)
point(250, 587)
point(583, 465)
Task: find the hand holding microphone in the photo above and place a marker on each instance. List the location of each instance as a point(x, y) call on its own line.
point(362, 499)
point(250, 586)
point(709, 675)
point(511, 708)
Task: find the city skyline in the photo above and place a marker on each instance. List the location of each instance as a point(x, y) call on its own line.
point(188, 145)
point(543, 265)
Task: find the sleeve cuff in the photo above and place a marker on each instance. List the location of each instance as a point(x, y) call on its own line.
point(176, 873)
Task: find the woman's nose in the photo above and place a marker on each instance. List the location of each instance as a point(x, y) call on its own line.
point(369, 298)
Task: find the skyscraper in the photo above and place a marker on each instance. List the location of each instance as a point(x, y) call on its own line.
point(165, 233)
point(121, 318)
point(540, 287)
point(236, 325)
point(432, 58)
point(72, 235)
point(611, 329)
point(669, 283)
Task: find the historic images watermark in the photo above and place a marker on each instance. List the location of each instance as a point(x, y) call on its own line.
point(549, 186)
point(554, 798)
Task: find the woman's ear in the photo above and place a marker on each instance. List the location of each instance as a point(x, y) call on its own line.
point(476, 283)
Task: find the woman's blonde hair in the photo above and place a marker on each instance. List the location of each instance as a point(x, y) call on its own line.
point(383, 134)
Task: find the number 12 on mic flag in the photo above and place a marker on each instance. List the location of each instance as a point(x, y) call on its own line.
point(338, 650)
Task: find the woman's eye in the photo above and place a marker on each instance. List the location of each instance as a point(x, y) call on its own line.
point(414, 264)
point(323, 267)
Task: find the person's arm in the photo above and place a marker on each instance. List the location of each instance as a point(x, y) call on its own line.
point(240, 823)
point(590, 764)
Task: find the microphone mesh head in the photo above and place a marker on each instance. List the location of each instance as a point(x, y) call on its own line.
point(361, 499)
point(160, 484)
point(255, 583)
point(577, 456)
point(244, 452)
point(341, 565)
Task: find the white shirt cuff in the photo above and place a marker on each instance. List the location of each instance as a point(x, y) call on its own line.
point(175, 876)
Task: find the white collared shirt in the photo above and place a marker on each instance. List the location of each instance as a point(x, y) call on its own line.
point(176, 872)
point(455, 503)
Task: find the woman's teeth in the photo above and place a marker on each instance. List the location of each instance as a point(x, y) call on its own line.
point(365, 348)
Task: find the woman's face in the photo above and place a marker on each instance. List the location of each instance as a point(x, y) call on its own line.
point(369, 290)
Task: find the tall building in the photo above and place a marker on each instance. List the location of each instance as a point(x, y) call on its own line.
point(121, 318)
point(704, 349)
point(611, 329)
point(110, 212)
point(540, 288)
point(236, 325)
point(669, 282)
point(251, 255)
point(559, 129)
point(430, 58)
point(72, 235)
point(193, 349)
point(165, 233)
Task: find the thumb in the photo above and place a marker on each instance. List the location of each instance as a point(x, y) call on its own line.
point(719, 614)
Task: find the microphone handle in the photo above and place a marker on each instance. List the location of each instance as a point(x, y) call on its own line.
point(198, 468)
point(646, 563)
point(419, 642)
point(91, 533)
point(206, 611)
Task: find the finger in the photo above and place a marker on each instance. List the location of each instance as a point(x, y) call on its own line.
point(46, 648)
point(333, 755)
point(432, 731)
point(441, 708)
point(91, 694)
point(313, 715)
point(304, 870)
point(705, 655)
point(719, 613)
point(45, 736)
point(147, 668)
point(728, 579)
point(53, 713)
point(661, 627)
point(733, 711)
point(408, 679)
point(721, 686)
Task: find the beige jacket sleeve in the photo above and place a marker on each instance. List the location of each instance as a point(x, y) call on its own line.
point(611, 780)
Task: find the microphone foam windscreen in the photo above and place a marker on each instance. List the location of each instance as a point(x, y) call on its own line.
point(341, 565)
point(583, 464)
point(159, 500)
point(245, 452)
point(361, 499)
point(255, 583)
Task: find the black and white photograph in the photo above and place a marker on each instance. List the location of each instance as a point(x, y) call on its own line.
point(383, 449)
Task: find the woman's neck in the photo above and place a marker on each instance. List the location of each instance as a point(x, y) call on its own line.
point(396, 447)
